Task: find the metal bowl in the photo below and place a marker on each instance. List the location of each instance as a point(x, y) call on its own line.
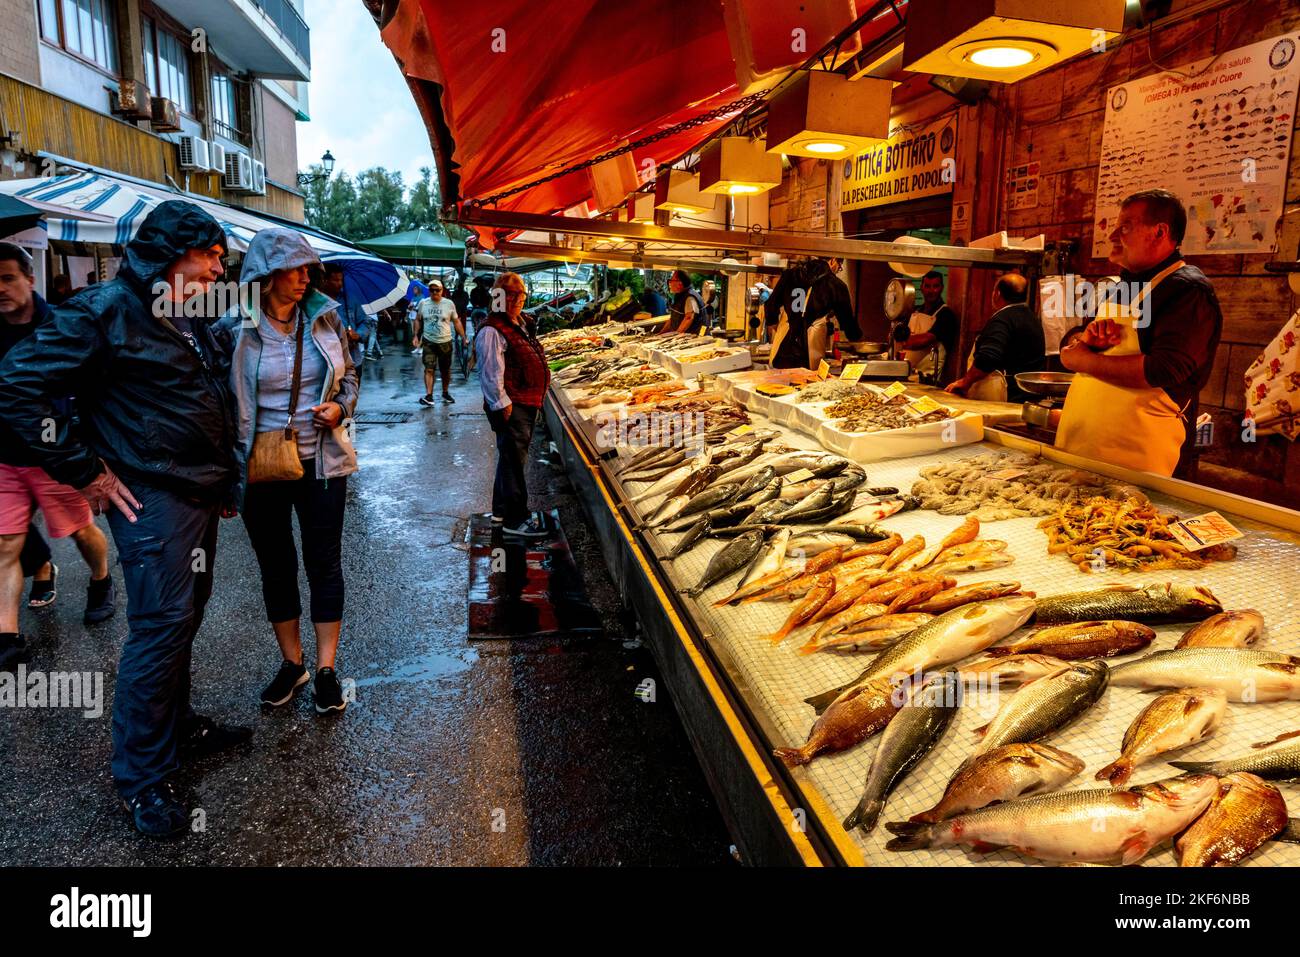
point(1045, 383)
point(869, 348)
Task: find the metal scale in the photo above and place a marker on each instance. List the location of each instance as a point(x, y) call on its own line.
point(1051, 387)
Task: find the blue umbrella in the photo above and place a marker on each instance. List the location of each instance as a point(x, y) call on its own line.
point(369, 281)
point(418, 290)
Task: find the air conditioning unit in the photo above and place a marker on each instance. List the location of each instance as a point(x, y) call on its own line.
point(259, 178)
point(132, 100)
point(239, 172)
point(166, 116)
point(217, 157)
point(194, 153)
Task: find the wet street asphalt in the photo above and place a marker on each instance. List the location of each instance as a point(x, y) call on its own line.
point(455, 753)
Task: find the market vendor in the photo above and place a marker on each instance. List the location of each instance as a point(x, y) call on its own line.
point(930, 334)
point(807, 296)
point(686, 312)
point(1141, 363)
point(1009, 344)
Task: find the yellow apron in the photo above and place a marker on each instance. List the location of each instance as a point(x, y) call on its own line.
point(1139, 429)
point(918, 323)
point(991, 388)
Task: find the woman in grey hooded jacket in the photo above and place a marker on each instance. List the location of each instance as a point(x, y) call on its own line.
point(262, 336)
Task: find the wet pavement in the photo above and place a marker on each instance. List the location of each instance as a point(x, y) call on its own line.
point(533, 751)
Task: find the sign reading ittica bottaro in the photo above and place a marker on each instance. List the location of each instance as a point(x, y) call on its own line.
point(909, 165)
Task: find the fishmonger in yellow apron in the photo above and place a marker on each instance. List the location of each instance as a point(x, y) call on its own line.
point(1139, 429)
point(918, 323)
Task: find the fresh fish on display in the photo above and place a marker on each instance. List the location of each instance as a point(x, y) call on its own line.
point(769, 558)
point(919, 593)
point(878, 540)
point(689, 540)
point(1083, 639)
point(696, 481)
point(873, 512)
point(874, 634)
point(907, 739)
point(725, 518)
point(974, 563)
point(913, 546)
point(768, 492)
point(669, 481)
point(1246, 812)
point(836, 508)
point(964, 534)
point(1151, 604)
point(952, 598)
point(1045, 705)
point(729, 559)
point(1102, 826)
point(821, 590)
point(1174, 720)
point(1229, 629)
point(757, 482)
point(669, 509)
point(1006, 773)
point(714, 497)
point(810, 543)
point(850, 592)
point(813, 502)
point(786, 573)
point(850, 720)
point(1242, 673)
point(768, 512)
point(1276, 760)
point(1015, 670)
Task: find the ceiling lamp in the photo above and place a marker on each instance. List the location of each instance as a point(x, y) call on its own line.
point(678, 191)
point(1004, 40)
point(828, 116)
point(641, 208)
point(738, 166)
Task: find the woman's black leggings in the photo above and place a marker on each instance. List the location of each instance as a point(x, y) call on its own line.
point(267, 516)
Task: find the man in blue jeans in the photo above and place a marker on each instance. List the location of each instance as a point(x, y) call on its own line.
point(156, 452)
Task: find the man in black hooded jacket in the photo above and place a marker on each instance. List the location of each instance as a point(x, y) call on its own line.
point(156, 453)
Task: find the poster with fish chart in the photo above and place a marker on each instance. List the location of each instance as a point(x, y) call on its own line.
point(1217, 133)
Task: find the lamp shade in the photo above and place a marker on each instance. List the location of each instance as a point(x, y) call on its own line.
point(828, 116)
point(1004, 40)
point(678, 191)
point(738, 166)
point(641, 208)
point(612, 179)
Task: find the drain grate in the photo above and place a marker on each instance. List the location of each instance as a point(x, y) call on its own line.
point(383, 418)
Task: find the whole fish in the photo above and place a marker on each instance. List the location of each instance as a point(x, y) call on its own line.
point(974, 563)
point(727, 517)
point(769, 558)
point(952, 636)
point(648, 455)
point(671, 480)
point(912, 546)
point(810, 543)
point(963, 534)
point(857, 612)
point(1045, 705)
point(872, 512)
point(729, 559)
point(650, 475)
point(1276, 760)
point(768, 492)
point(1151, 604)
point(668, 510)
point(817, 500)
point(1100, 826)
point(918, 594)
point(837, 507)
point(1172, 721)
point(1244, 674)
point(869, 534)
point(821, 590)
point(848, 593)
point(882, 491)
point(742, 457)
point(981, 548)
point(859, 714)
point(1228, 629)
point(1003, 774)
point(915, 730)
point(909, 620)
point(689, 540)
point(788, 572)
point(696, 481)
point(951, 598)
point(768, 512)
point(1015, 670)
point(849, 571)
point(1246, 813)
point(1083, 639)
point(862, 637)
point(713, 497)
point(757, 482)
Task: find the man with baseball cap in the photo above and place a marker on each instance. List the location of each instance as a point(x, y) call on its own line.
point(434, 323)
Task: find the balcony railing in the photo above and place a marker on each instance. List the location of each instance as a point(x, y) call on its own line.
point(290, 23)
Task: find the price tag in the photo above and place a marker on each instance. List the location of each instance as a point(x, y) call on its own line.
point(702, 332)
point(802, 475)
point(823, 369)
point(853, 372)
point(1203, 531)
point(741, 430)
point(896, 389)
point(925, 405)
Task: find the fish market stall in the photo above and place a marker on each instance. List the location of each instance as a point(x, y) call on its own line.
point(962, 568)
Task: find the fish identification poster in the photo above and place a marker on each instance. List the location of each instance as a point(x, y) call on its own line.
point(1217, 133)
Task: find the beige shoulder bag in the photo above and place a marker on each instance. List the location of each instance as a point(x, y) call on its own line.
point(275, 453)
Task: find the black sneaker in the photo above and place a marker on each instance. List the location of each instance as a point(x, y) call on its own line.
point(12, 648)
point(532, 528)
point(44, 591)
point(329, 693)
point(447, 397)
point(204, 736)
point(426, 399)
point(101, 602)
point(291, 676)
point(158, 812)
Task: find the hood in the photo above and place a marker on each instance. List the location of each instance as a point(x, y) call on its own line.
point(170, 230)
point(275, 249)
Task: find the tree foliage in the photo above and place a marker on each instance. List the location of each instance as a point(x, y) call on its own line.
point(375, 203)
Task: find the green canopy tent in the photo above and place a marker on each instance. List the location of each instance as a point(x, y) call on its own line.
point(418, 247)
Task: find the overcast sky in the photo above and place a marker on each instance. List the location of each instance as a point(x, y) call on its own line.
point(361, 108)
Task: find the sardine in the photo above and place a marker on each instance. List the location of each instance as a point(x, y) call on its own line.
point(1276, 760)
point(1101, 826)
point(1246, 813)
point(689, 540)
point(952, 636)
point(1229, 629)
point(1012, 771)
point(818, 593)
point(1151, 604)
point(1045, 705)
point(860, 713)
point(952, 598)
point(1174, 720)
point(915, 730)
point(1015, 670)
point(1243, 673)
point(769, 558)
point(1083, 639)
point(728, 560)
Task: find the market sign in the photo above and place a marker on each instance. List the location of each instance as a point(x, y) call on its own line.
point(911, 164)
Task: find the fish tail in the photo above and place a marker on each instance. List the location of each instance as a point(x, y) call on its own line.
point(1195, 767)
point(1117, 772)
point(926, 817)
point(865, 815)
point(793, 757)
point(780, 636)
point(909, 836)
point(821, 702)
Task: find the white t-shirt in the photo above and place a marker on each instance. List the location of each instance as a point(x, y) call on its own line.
point(436, 319)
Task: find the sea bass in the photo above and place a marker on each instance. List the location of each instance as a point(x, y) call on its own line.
point(1174, 720)
point(1011, 771)
point(1246, 813)
point(1244, 674)
point(1045, 705)
point(1151, 604)
point(1083, 639)
point(1276, 760)
point(1229, 629)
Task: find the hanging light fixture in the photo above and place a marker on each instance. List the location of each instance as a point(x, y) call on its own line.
point(1004, 40)
point(738, 166)
point(640, 208)
point(678, 191)
point(828, 116)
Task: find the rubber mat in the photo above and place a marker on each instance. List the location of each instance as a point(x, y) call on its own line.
point(525, 588)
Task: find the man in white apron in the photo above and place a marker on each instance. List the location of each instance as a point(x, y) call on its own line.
point(931, 332)
point(1142, 362)
point(1011, 342)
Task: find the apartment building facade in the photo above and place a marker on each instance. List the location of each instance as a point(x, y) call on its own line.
point(197, 95)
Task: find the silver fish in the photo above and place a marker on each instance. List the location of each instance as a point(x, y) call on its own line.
point(1276, 760)
point(769, 559)
point(689, 540)
point(729, 559)
point(768, 512)
point(713, 497)
point(757, 483)
point(810, 543)
point(1243, 673)
point(668, 510)
point(1045, 705)
point(819, 499)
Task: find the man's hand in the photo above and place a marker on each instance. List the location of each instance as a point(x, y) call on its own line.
point(1102, 334)
point(107, 490)
point(1076, 354)
point(327, 415)
point(957, 388)
point(352, 336)
point(415, 343)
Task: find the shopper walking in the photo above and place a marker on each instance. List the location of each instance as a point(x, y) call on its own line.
point(436, 323)
point(514, 375)
point(155, 450)
point(295, 387)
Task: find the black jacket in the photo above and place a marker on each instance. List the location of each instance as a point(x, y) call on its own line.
point(149, 406)
point(821, 293)
point(1011, 342)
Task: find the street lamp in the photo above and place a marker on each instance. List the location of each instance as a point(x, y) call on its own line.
point(327, 163)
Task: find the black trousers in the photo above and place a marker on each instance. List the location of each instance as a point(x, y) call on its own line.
point(510, 489)
point(35, 552)
point(268, 516)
